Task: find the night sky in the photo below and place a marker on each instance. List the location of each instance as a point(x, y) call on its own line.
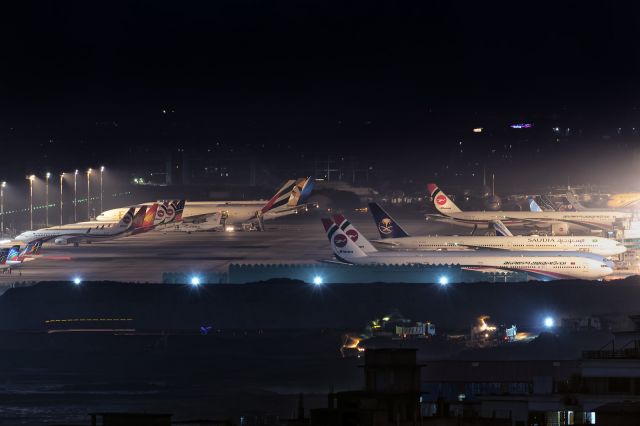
point(396, 84)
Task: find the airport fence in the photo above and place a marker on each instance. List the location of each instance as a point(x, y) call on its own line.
point(321, 273)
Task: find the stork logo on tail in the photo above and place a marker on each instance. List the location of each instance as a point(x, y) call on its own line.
point(353, 234)
point(441, 200)
point(340, 240)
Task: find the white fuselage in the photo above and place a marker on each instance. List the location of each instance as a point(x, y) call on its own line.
point(542, 265)
point(602, 219)
point(210, 214)
point(597, 245)
point(76, 232)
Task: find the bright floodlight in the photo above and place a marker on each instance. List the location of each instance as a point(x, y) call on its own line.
point(76, 172)
point(102, 168)
point(4, 184)
point(77, 280)
point(549, 322)
point(195, 280)
point(317, 280)
point(443, 280)
point(48, 175)
point(31, 177)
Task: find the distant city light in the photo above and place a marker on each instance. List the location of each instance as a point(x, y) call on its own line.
point(77, 280)
point(443, 280)
point(317, 280)
point(195, 280)
point(521, 126)
point(478, 130)
point(549, 322)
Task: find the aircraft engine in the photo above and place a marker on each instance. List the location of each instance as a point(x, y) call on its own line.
point(61, 241)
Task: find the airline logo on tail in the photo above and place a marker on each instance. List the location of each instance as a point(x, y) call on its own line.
point(340, 240)
point(387, 227)
point(343, 247)
point(177, 209)
point(281, 197)
point(31, 249)
point(350, 231)
point(291, 194)
point(168, 212)
point(13, 253)
point(440, 200)
point(301, 191)
point(150, 216)
point(127, 219)
point(138, 219)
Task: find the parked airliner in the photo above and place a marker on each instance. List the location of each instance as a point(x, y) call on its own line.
point(229, 215)
point(560, 222)
point(544, 265)
point(393, 236)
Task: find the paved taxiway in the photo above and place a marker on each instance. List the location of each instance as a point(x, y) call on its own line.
point(143, 258)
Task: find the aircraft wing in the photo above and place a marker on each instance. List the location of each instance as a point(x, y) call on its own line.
point(548, 222)
point(474, 247)
point(292, 210)
point(336, 262)
point(385, 243)
point(440, 218)
point(200, 218)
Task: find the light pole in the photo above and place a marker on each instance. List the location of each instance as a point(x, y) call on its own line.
point(75, 196)
point(61, 179)
point(2, 185)
point(31, 178)
point(46, 191)
point(101, 172)
point(89, 194)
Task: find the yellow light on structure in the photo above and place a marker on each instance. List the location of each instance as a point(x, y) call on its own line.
point(32, 178)
point(478, 130)
point(89, 171)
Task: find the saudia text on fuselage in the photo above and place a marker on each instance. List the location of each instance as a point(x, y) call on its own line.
point(556, 240)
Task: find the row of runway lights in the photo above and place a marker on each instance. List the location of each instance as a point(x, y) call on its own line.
point(317, 280)
point(195, 281)
point(443, 280)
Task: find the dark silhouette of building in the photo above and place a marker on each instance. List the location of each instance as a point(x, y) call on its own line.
point(130, 419)
point(391, 395)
